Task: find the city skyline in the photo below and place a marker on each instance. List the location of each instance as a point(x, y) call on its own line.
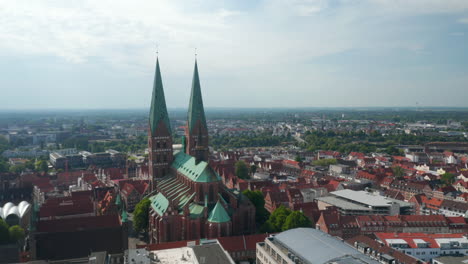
point(252, 54)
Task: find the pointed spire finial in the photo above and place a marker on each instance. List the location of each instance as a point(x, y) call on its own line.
point(157, 50)
point(195, 53)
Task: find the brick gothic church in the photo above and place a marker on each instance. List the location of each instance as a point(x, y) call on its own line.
point(190, 200)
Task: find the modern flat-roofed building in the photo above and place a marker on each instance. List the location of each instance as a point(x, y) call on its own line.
point(351, 202)
point(308, 245)
point(426, 246)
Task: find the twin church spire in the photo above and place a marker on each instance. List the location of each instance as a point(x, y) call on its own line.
point(160, 135)
point(158, 111)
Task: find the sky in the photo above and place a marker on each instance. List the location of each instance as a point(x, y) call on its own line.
point(88, 54)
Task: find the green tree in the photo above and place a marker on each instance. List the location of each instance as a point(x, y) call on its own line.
point(4, 166)
point(42, 166)
point(16, 233)
point(241, 170)
point(29, 164)
point(276, 220)
point(447, 178)
point(256, 197)
point(324, 162)
point(17, 168)
point(4, 234)
point(140, 215)
point(391, 150)
point(398, 171)
point(4, 144)
point(298, 158)
point(253, 169)
point(296, 219)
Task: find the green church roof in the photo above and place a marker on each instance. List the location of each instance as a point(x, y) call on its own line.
point(158, 110)
point(159, 203)
point(201, 172)
point(218, 214)
point(124, 216)
point(196, 210)
point(118, 200)
point(196, 111)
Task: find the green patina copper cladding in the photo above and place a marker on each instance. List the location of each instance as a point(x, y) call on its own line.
point(118, 200)
point(219, 214)
point(196, 210)
point(159, 203)
point(158, 110)
point(124, 216)
point(201, 172)
point(196, 111)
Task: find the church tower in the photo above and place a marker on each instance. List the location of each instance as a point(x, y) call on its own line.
point(196, 131)
point(159, 132)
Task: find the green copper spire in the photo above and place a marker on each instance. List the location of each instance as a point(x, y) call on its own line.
point(124, 216)
point(196, 111)
point(158, 110)
point(218, 214)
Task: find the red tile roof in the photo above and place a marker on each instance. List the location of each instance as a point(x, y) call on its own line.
point(371, 243)
point(241, 243)
point(66, 207)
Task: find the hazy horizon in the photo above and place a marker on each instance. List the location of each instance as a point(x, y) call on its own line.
point(251, 54)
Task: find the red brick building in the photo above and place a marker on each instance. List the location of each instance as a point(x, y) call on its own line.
point(191, 201)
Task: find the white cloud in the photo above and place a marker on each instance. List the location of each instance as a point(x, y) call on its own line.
point(275, 38)
point(125, 33)
point(421, 6)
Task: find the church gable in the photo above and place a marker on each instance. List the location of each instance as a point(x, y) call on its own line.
point(187, 166)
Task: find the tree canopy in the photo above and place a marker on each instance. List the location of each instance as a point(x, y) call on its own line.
point(4, 234)
point(253, 169)
point(241, 141)
point(16, 233)
point(398, 171)
point(242, 171)
point(283, 219)
point(42, 166)
point(447, 178)
point(324, 162)
point(140, 215)
point(256, 197)
point(296, 219)
point(298, 158)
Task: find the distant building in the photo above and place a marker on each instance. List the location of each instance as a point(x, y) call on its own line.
point(351, 202)
point(384, 254)
point(339, 169)
point(209, 252)
point(75, 237)
point(426, 246)
point(16, 214)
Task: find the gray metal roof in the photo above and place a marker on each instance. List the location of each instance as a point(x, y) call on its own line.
point(211, 253)
point(342, 203)
point(317, 247)
point(363, 197)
